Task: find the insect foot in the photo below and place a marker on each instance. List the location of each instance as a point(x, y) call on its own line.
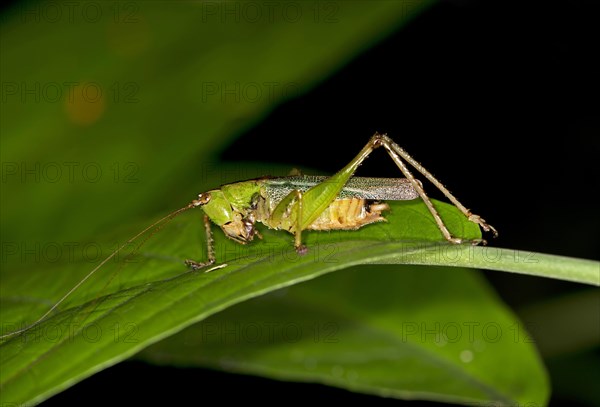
point(484, 225)
point(197, 266)
point(455, 240)
point(302, 250)
point(474, 242)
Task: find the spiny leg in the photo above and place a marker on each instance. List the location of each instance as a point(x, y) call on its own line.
point(394, 150)
point(210, 245)
point(333, 186)
point(317, 198)
point(417, 185)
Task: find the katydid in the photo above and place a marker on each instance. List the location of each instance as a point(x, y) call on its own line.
point(341, 201)
point(298, 203)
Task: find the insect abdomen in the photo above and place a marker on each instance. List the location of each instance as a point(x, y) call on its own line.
point(351, 213)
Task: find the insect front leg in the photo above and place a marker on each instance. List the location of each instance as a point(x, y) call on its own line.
point(210, 245)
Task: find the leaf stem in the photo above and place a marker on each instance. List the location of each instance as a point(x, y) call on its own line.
point(492, 258)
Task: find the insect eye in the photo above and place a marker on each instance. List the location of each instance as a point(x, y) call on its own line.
point(203, 199)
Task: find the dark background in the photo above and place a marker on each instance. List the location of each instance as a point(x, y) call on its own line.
point(497, 99)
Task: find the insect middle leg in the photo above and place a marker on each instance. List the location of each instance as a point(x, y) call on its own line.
point(288, 215)
point(300, 248)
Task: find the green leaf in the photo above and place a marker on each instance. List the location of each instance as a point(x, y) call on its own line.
point(119, 312)
point(396, 331)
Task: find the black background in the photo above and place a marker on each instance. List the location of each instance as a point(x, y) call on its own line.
point(498, 99)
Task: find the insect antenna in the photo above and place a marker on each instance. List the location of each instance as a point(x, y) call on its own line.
point(157, 226)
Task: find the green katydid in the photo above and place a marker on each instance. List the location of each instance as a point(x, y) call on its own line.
point(299, 203)
point(341, 201)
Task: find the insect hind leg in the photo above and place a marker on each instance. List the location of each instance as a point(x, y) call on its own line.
point(397, 153)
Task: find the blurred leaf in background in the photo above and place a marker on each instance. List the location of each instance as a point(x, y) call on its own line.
point(111, 110)
point(396, 331)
